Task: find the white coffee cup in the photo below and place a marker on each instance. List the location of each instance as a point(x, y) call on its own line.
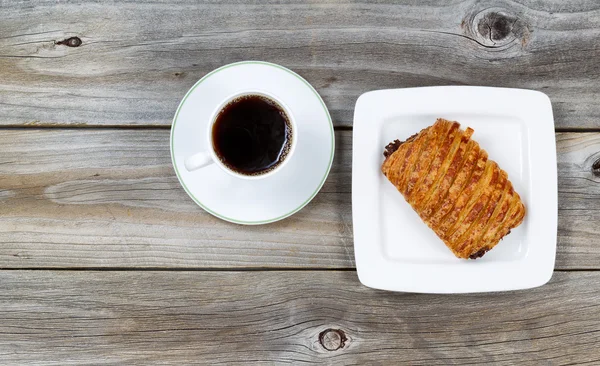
point(205, 158)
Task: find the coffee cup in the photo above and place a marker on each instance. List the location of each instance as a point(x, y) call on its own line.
point(251, 135)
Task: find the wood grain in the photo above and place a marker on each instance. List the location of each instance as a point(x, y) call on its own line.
point(109, 198)
point(130, 63)
point(145, 317)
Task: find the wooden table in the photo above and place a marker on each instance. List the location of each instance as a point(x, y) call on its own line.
point(105, 259)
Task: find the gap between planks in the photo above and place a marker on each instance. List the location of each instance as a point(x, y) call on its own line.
point(219, 269)
point(168, 127)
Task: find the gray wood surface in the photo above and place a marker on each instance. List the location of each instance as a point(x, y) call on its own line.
point(146, 317)
point(110, 198)
point(132, 61)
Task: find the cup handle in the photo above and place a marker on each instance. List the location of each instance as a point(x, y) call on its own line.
point(198, 161)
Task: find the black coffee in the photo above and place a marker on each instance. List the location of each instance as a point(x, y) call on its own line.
point(252, 135)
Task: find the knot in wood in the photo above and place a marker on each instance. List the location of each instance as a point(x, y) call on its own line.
point(495, 28)
point(596, 168)
point(70, 42)
point(332, 339)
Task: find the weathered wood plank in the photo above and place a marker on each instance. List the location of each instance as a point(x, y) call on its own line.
point(75, 317)
point(137, 59)
point(578, 158)
point(109, 198)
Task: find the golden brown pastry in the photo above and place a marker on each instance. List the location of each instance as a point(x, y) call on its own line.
point(458, 192)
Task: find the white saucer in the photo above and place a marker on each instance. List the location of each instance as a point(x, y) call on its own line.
point(253, 202)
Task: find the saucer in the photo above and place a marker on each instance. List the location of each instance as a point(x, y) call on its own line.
point(254, 202)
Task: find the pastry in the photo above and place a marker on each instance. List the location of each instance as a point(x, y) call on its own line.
point(461, 194)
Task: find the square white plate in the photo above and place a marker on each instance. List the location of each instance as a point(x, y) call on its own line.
point(394, 249)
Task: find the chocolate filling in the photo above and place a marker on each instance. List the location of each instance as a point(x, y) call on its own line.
point(391, 148)
point(479, 253)
point(395, 145)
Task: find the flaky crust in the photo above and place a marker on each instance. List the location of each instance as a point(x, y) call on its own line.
point(457, 191)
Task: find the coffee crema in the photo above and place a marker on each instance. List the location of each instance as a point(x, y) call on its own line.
point(252, 135)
